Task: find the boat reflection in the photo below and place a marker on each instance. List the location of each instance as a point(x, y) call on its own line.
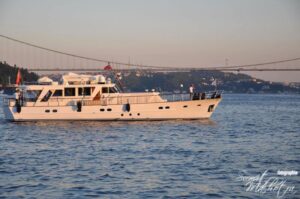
point(107, 124)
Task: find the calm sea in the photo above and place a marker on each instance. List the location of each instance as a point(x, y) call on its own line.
point(235, 154)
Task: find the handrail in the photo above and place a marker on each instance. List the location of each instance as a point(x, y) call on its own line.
point(118, 100)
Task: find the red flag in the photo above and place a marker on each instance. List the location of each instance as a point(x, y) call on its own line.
point(19, 77)
point(108, 67)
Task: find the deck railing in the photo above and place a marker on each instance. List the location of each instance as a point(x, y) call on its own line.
point(115, 100)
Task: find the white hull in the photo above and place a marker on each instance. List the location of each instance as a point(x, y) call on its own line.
point(193, 109)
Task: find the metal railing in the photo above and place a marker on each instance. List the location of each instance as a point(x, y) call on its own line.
point(115, 100)
point(194, 96)
point(118, 100)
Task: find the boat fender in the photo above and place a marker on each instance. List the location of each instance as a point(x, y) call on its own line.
point(127, 107)
point(79, 106)
point(18, 105)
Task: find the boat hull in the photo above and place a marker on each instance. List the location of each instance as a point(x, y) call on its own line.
point(195, 109)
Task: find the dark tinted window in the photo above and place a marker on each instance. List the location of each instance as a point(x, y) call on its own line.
point(47, 96)
point(84, 91)
point(112, 90)
point(58, 93)
point(69, 91)
point(104, 90)
point(109, 90)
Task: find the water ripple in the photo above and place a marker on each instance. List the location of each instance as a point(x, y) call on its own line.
point(161, 159)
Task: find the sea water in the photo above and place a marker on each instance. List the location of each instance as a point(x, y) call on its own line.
point(238, 153)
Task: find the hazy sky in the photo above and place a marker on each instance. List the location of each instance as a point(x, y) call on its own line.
point(190, 33)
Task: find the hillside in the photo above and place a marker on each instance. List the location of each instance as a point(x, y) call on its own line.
point(202, 80)
point(170, 81)
point(10, 72)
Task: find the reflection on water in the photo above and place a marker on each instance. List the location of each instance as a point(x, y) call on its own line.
point(156, 159)
point(109, 124)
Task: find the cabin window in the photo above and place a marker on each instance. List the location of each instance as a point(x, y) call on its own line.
point(69, 91)
point(167, 107)
point(80, 92)
point(58, 93)
point(109, 109)
point(104, 90)
point(47, 96)
point(112, 90)
point(54, 110)
point(160, 107)
point(32, 95)
point(102, 109)
point(86, 91)
point(109, 90)
point(47, 111)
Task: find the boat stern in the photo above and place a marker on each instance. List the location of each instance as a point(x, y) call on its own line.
point(9, 109)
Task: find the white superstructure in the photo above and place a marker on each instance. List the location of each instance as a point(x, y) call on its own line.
point(85, 97)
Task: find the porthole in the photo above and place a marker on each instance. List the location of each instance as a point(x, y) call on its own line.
point(109, 109)
point(122, 114)
point(54, 111)
point(160, 107)
point(47, 111)
point(138, 114)
point(130, 114)
point(102, 109)
point(199, 105)
point(185, 106)
point(167, 107)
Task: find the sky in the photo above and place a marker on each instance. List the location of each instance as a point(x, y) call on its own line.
point(179, 33)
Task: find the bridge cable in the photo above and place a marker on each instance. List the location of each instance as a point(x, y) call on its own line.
point(149, 66)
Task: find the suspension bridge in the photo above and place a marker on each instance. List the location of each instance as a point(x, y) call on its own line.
point(40, 59)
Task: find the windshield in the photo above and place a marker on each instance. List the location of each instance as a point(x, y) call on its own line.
point(32, 95)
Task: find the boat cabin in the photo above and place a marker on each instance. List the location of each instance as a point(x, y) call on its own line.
point(86, 88)
point(71, 86)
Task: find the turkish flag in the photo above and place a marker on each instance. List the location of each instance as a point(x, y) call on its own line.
point(19, 77)
point(108, 67)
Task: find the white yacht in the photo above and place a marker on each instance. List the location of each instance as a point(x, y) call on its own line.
point(86, 97)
